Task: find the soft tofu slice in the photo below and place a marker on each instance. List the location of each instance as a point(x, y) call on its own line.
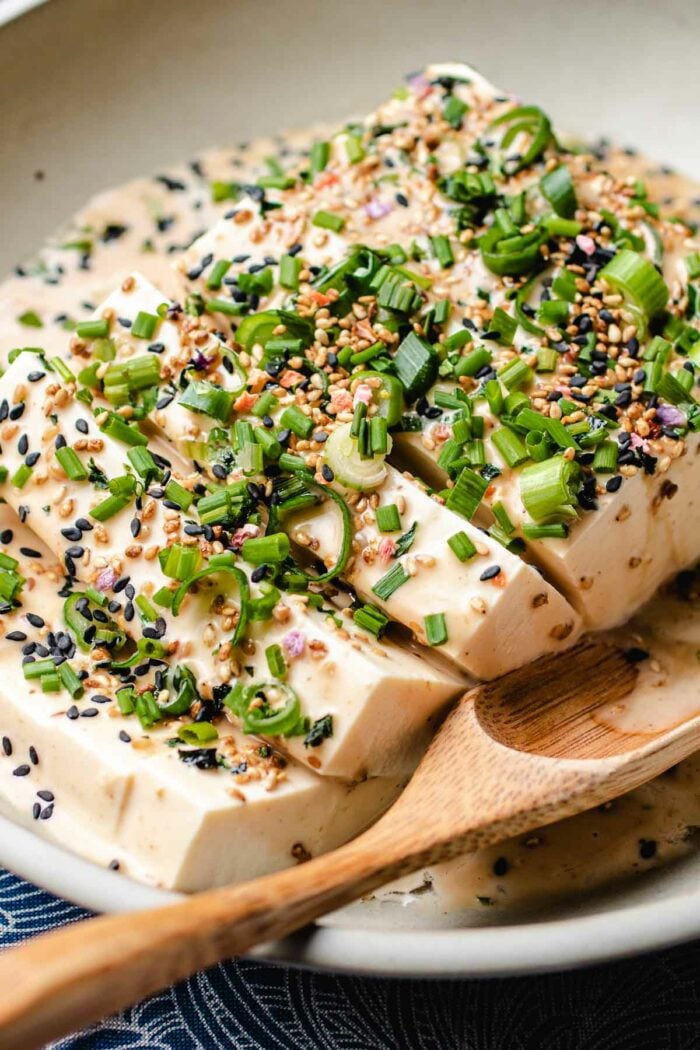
point(132, 799)
point(500, 612)
point(539, 619)
point(382, 697)
point(614, 558)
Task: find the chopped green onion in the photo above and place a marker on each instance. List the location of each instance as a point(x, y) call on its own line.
point(143, 462)
point(210, 400)
point(558, 189)
point(38, 669)
point(692, 265)
point(144, 325)
point(217, 274)
point(473, 362)
point(371, 619)
point(461, 546)
point(605, 458)
point(548, 489)
point(116, 427)
point(638, 281)
point(554, 530)
point(290, 266)
point(71, 463)
point(435, 629)
point(416, 364)
point(275, 661)
point(198, 733)
point(297, 421)
point(467, 493)
point(327, 220)
point(70, 680)
point(92, 329)
point(21, 476)
point(390, 582)
point(318, 157)
point(388, 518)
point(266, 550)
point(505, 325)
point(179, 562)
point(442, 250)
point(510, 446)
point(516, 374)
point(354, 149)
point(177, 493)
point(453, 111)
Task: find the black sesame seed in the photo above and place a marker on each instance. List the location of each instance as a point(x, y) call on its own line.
point(327, 473)
point(16, 636)
point(501, 866)
point(29, 552)
point(647, 849)
point(47, 812)
point(7, 745)
point(114, 865)
point(636, 655)
point(23, 445)
point(72, 713)
point(21, 771)
point(6, 536)
point(33, 757)
point(36, 810)
point(490, 573)
point(124, 736)
point(89, 712)
point(35, 620)
point(45, 796)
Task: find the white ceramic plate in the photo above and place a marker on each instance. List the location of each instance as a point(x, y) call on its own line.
point(93, 93)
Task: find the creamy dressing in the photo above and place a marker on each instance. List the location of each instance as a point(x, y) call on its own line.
point(142, 225)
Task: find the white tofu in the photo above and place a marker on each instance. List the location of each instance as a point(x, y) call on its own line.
point(134, 800)
point(493, 624)
point(614, 558)
point(382, 697)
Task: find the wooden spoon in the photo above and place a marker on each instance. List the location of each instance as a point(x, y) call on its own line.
point(514, 754)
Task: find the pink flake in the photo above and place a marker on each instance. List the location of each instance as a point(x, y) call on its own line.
point(387, 549)
point(294, 643)
point(377, 208)
point(246, 532)
point(106, 579)
point(363, 393)
point(586, 244)
point(670, 416)
point(420, 86)
point(638, 442)
point(340, 402)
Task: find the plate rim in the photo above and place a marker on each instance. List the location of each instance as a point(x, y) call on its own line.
point(489, 951)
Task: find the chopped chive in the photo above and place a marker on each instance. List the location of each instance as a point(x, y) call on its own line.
point(117, 428)
point(276, 182)
point(473, 362)
point(198, 733)
point(416, 364)
point(692, 265)
point(390, 582)
point(548, 488)
point(505, 325)
point(388, 518)
point(224, 191)
point(453, 111)
point(265, 405)
point(217, 274)
point(501, 515)
point(144, 325)
point(177, 493)
point(547, 359)
point(371, 619)
point(510, 446)
point(266, 550)
point(467, 493)
point(210, 400)
point(30, 319)
point(276, 661)
point(21, 476)
point(71, 463)
point(38, 669)
point(555, 530)
point(70, 680)
point(457, 340)
point(295, 420)
point(605, 458)
point(109, 507)
point(435, 629)
point(327, 220)
point(516, 374)
point(442, 250)
point(354, 149)
point(224, 306)
point(461, 546)
point(142, 461)
point(379, 436)
point(290, 266)
point(92, 329)
point(494, 396)
point(318, 157)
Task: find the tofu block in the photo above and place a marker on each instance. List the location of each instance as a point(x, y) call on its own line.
point(381, 697)
point(112, 792)
point(499, 612)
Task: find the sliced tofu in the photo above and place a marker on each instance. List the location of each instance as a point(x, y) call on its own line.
point(382, 698)
point(499, 612)
point(494, 625)
point(112, 792)
point(615, 557)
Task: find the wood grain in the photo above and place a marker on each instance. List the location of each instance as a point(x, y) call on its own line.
point(514, 754)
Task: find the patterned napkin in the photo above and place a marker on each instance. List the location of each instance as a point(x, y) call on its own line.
point(653, 1001)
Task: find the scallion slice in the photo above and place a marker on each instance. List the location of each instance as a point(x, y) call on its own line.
point(638, 281)
point(328, 220)
point(467, 493)
point(390, 582)
point(416, 364)
point(371, 619)
point(548, 489)
point(71, 463)
point(558, 189)
point(435, 629)
point(388, 518)
point(272, 549)
point(461, 546)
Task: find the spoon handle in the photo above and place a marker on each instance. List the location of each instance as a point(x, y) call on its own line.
point(61, 981)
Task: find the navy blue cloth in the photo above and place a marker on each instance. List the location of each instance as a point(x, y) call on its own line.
point(652, 1001)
